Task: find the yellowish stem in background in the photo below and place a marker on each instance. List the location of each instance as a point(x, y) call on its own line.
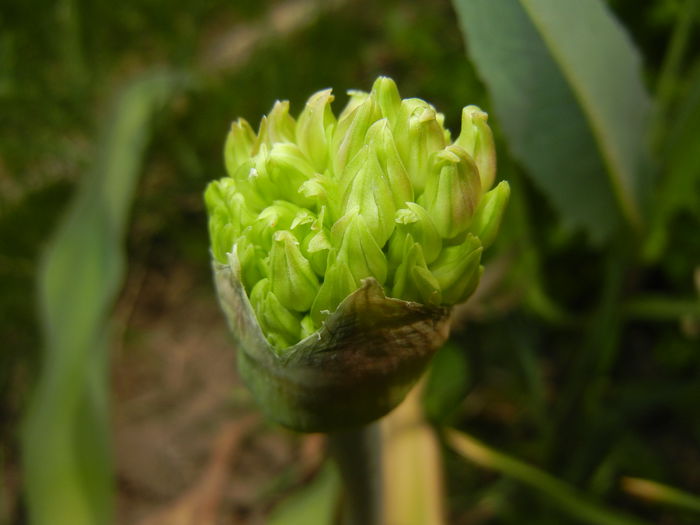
point(413, 486)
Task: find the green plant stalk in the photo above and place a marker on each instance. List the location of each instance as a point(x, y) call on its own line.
point(660, 308)
point(568, 499)
point(659, 493)
point(413, 491)
point(357, 453)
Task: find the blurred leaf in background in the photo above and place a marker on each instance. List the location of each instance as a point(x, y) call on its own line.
point(67, 458)
point(567, 86)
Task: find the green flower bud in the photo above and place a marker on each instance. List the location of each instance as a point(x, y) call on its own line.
point(415, 220)
point(477, 140)
point(357, 97)
point(288, 169)
point(359, 249)
point(293, 281)
point(387, 95)
point(317, 244)
point(239, 144)
point(253, 260)
point(487, 218)
point(278, 173)
point(339, 246)
point(224, 195)
point(257, 180)
point(413, 279)
point(440, 117)
point(315, 128)
point(349, 135)
point(452, 192)
point(222, 234)
point(281, 126)
point(262, 138)
point(381, 141)
point(457, 270)
point(325, 193)
point(418, 134)
point(338, 284)
point(277, 126)
point(315, 247)
point(397, 248)
point(228, 217)
point(280, 324)
point(308, 327)
point(243, 180)
point(369, 194)
point(278, 216)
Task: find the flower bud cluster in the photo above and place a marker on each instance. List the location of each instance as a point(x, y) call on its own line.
point(314, 205)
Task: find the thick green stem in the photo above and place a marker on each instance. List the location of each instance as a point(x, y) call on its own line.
point(358, 456)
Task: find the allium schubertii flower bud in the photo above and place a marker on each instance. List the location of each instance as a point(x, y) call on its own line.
point(340, 244)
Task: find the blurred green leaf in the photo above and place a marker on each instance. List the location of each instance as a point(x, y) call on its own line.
point(316, 503)
point(679, 188)
point(567, 87)
point(448, 382)
point(520, 239)
point(66, 448)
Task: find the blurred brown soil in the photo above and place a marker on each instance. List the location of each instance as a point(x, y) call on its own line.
point(189, 445)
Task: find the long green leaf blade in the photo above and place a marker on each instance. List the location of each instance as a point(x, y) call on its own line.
point(566, 497)
point(566, 84)
point(66, 453)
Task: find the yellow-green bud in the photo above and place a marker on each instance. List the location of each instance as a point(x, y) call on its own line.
point(281, 126)
point(340, 245)
point(487, 218)
point(413, 279)
point(415, 220)
point(388, 98)
point(452, 192)
point(293, 281)
point(280, 323)
point(278, 216)
point(315, 128)
point(359, 249)
point(457, 269)
point(229, 215)
point(316, 244)
point(253, 261)
point(239, 144)
point(380, 140)
point(349, 135)
point(222, 233)
point(337, 285)
point(368, 193)
point(325, 193)
point(418, 135)
point(243, 180)
point(289, 168)
point(357, 97)
point(476, 138)
point(307, 326)
point(377, 193)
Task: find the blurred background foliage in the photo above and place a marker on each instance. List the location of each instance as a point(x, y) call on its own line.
point(580, 353)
